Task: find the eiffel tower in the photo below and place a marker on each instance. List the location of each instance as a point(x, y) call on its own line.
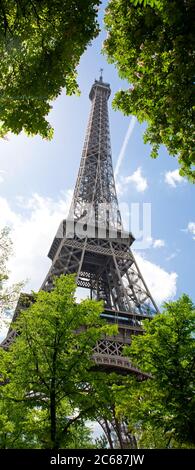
point(93, 244)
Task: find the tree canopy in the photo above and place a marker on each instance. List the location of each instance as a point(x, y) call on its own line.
point(48, 369)
point(8, 293)
point(166, 402)
point(48, 377)
point(152, 43)
point(41, 42)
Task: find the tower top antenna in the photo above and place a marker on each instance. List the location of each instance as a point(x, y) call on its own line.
point(101, 76)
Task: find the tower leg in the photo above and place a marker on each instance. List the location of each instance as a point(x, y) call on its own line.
point(117, 433)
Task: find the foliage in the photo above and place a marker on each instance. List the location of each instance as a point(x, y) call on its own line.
point(50, 387)
point(8, 294)
point(24, 427)
point(167, 352)
point(152, 43)
point(49, 367)
point(18, 425)
point(157, 438)
point(107, 391)
point(101, 442)
point(41, 42)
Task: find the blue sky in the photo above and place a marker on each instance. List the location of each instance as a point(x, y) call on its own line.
point(37, 176)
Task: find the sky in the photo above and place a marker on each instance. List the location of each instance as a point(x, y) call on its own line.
point(37, 178)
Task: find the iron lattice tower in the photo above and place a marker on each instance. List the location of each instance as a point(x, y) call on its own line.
point(93, 244)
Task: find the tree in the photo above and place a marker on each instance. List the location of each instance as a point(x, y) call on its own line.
point(152, 43)
point(158, 438)
point(167, 351)
point(41, 42)
point(49, 366)
point(8, 294)
point(23, 427)
point(106, 390)
point(18, 425)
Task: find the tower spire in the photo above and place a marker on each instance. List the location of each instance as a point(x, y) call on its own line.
point(101, 75)
point(95, 191)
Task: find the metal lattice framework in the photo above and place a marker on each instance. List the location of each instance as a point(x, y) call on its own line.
point(93, 244)
point(95, 184)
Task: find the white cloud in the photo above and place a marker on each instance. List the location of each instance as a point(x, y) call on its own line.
point(1, 177)
point(162, 285)
point(137, 178)
point(158, 243)
point(152, 243)
point(173, 177)
point(191, 229)
point(34, 225)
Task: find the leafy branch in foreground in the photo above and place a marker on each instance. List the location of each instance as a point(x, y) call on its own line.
point(167, 350)
point(41, 42)
point(152, 43)
point(8, 294)
point(49, 367)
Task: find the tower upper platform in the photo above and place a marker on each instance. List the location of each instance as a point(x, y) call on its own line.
point(101, 87)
